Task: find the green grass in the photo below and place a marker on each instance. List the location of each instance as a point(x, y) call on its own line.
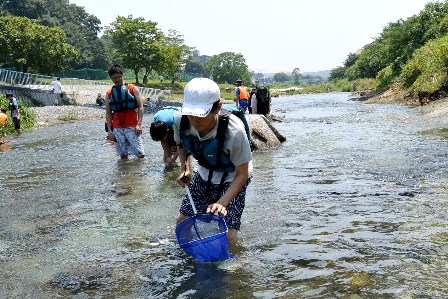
point(68, 116)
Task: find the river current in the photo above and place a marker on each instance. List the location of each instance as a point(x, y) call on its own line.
point(352, 205)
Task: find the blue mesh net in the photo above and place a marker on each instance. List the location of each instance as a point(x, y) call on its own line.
point(204, 237)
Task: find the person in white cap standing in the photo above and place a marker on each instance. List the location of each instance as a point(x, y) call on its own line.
point(218, 141)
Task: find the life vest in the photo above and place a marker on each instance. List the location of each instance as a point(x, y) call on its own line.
point(243, 94)
point(122, 98)
point(209, 153)
point(167, 114)
point(3, 119)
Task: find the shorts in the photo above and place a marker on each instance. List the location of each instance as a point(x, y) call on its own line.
point(243, 103)
point(198, 188)
point(128, 142)
point(16, 122)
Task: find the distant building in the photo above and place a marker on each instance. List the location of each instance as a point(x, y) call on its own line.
point(200, 58)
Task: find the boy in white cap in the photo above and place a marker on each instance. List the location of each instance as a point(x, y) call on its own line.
point(218, 141)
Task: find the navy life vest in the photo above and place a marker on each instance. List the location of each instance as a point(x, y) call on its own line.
point(122, 98)
point(208, 153)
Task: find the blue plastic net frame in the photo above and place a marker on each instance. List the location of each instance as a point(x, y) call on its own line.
point(204, 237)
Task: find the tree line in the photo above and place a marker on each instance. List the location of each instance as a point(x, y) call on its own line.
point(411, 52)
point(50, 36)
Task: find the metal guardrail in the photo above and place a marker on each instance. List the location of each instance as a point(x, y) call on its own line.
point(80, 90)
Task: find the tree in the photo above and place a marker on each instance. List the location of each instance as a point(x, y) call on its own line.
point(350, 60)
point(134, 40)
point(296, 75)
point(227, 67)
point(337, 73)
point(194, 67)
point(281, 77)
point(81, 29)
point(29, 46)
point(176, 54)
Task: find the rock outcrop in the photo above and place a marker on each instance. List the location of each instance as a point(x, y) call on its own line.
point(264, 134)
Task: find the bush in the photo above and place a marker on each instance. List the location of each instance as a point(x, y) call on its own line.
point(364, 84)
point(426, 72)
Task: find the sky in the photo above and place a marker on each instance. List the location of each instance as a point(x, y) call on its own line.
point(273, 36)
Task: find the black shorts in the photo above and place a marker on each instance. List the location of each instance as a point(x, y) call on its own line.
point(198, 188)
point(16, 122)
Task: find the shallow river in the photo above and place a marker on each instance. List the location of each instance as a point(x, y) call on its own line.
point(353, 205)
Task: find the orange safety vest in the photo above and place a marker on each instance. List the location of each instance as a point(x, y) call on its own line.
point(3, 118)
point(244, 94)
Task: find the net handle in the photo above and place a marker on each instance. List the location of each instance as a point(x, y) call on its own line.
point(191, 199)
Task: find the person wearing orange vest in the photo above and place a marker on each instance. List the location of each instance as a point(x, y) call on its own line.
point(126, 103)
point(242, 96)
point(3, 120)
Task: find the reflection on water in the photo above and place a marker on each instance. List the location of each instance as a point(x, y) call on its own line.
point(352, 204)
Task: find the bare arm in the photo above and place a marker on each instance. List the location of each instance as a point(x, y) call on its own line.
point(184, 176)
point(167, 152)
point(140, 110)
point(108, 119)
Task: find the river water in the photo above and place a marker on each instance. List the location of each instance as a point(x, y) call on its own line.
point(352, 205)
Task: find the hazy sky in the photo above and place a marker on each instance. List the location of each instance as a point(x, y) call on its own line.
point(273, 36)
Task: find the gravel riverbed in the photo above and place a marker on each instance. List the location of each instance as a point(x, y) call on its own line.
point(51, 115)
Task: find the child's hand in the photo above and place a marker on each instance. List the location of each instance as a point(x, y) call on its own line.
point(184, 178)
point(217, 208)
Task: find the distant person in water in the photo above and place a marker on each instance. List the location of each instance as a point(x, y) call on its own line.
point(241, 96)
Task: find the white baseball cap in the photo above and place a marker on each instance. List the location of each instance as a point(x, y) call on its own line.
point(199, 96)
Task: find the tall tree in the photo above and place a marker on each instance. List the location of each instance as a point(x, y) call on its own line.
point(296, 75)
point(228, 67)
point(134, 40)
point(176, 54)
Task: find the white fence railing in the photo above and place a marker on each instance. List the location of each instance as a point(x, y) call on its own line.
point(80, 90)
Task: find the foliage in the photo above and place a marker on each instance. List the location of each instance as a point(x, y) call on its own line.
point(296, 75)
point(176, 54)
point(386, 76)
point(194, 67)
point(396, 44)
point(337, 73)
point(141, 39)
point(351, 59)
point(364, 84)
point(281, 77)
point(426, 72)
point(27, 116)
point(68, 116)
point(341, 85)
point(31, 47)
point(81, 29)
point(227, 67)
